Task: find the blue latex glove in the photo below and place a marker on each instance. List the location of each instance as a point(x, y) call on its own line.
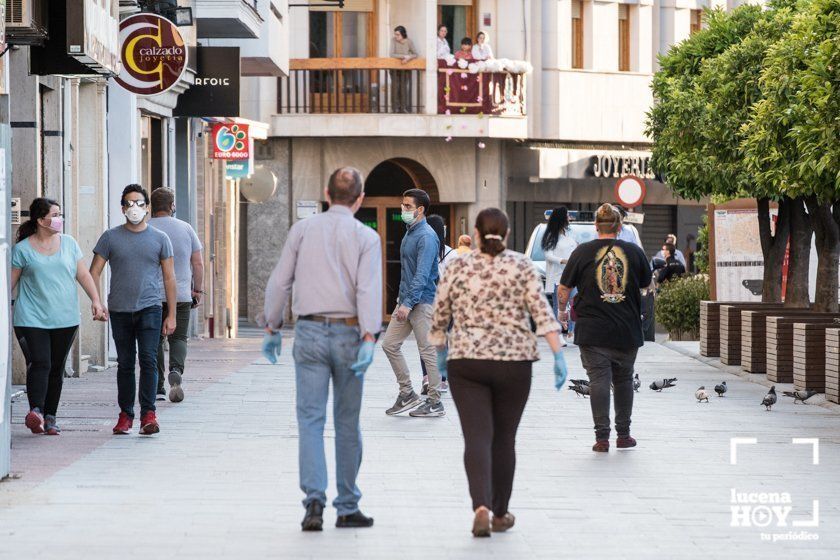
point(271, 346)
point(442, 356)
point(560, 370)
point(364, 358)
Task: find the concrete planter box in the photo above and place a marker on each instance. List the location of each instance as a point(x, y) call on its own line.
point(754, 335)
point(832, 365)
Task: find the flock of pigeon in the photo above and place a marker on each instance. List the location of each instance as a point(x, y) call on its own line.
point(581, 388)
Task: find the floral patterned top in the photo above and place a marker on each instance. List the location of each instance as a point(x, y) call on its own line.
point(489, 301)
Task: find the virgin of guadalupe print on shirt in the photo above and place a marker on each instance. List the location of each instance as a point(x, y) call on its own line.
point(611, 273)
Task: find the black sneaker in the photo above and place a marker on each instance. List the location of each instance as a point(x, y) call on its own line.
point(161, 394)
point(354, 520)
point(404, 403)
point(176, 392)
point(428, 409)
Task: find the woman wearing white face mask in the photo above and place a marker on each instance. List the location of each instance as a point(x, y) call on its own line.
point(46, 265)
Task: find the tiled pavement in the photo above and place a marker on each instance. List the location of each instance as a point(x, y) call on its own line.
point(220, 480)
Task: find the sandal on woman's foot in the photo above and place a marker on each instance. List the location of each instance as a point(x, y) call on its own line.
point(503, 523)
point(481, 523)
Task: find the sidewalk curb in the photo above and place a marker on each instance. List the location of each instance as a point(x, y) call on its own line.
point(738, 372)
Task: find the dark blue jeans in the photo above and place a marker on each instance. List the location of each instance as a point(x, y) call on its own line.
point(137, 335)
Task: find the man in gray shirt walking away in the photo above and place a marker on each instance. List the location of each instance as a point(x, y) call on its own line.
point(189, 275)
point(332, 264)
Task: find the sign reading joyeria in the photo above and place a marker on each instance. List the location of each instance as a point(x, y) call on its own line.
point(153, 53)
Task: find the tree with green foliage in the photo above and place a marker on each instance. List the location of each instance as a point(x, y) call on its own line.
point(704, 93)
point(792, 140)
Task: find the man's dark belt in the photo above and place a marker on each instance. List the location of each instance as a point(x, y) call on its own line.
point(349, 321)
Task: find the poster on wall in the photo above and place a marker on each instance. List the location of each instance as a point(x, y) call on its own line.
point(739, 262)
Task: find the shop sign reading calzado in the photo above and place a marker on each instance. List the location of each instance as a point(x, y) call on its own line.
point(153, 53)
point(611, 165)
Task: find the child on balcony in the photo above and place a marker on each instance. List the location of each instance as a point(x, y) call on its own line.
point(466, 49)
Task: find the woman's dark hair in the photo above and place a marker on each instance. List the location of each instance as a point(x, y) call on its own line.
point(401, 30)
point(558, 224)
point(480, 34)
point(441, 26)
point(40, 208)
point(672, 250)
point(436, 222)
point(134, 188)
point(494, 223)
point(466, 41)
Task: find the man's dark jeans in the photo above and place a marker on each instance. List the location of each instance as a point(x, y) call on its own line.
point(605, 366)
point(137, 335)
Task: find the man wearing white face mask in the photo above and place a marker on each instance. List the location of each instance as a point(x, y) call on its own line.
point(138, 255)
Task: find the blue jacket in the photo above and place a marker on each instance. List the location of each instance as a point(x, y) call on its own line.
point(418, 263)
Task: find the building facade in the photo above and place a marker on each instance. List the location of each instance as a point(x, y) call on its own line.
point(565, 122)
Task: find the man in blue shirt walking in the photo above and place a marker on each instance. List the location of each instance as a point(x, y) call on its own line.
point(418, 279)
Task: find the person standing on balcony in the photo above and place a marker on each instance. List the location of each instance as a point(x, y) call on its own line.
point(402, 48)
point(46, 265)
point(337, 298)
point(481, 49)
point(189, 274)
point(443, 49)
point(466, 49)
point(418, 279)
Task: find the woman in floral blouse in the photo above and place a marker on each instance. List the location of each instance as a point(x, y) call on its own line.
point(490, 295)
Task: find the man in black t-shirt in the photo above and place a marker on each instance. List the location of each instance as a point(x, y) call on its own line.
point(608, 273)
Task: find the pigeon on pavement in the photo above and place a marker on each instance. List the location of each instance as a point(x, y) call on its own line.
point(800, 395)
point(721, 389)
point(663, 384)
point(702, 394)
point(769, 398)
point(579, 382)
point(636, 382)
point(580, 390)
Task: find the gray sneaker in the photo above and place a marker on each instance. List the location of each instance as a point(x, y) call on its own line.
point(429, 409)
point(404, 403)
point(176, 392)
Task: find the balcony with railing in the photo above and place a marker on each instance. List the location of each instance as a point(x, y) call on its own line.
point(383, 96)
point(352, 85)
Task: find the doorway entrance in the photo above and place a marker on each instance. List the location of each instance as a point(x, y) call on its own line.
point(381, 211)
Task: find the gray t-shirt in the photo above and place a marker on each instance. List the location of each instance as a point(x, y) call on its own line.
point(135, 266)
point(184, 242)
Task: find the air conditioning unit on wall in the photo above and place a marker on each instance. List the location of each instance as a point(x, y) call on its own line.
point(26, 22)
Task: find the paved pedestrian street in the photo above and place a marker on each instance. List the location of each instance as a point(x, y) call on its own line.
point(220, 480)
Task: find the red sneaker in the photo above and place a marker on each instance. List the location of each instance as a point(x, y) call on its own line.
point(601, 446)
point(148, 424)
point(34, 421)
point(623, 442)
point(124, 423)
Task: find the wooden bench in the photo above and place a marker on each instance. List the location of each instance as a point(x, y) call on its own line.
point(809, 355)
point(730, 329)
point(832, 365)
point(780, 343)
point(754, 335)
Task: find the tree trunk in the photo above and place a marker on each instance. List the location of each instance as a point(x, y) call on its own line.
point(800, 256)
point(773, 247)
point(827, 240)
